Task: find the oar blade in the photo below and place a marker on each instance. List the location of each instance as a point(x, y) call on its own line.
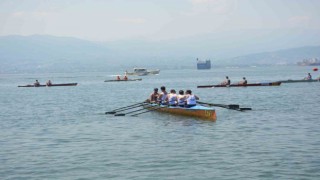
point(111, 112)
point(119, 114)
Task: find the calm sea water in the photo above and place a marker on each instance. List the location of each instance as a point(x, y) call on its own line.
point(63, 133)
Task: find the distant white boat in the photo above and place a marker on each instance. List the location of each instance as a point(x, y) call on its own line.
point(142, 72)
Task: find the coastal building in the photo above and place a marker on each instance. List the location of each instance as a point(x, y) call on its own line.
point(310, 62)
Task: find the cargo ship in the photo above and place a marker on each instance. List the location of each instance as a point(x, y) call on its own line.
point(203, 64)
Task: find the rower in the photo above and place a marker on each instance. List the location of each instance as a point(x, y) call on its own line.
point(191, 99)
point(172, 98)
point(226, 81)
point(309, 77)
point(118, 78)
point(36, 83)
point(125, 78)
point(163, 95)
point(244, 81)
point(154, 96)
point(49, 83)
point(181, 98)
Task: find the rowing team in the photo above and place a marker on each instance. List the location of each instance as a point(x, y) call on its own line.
point(125, 78)
point(182, 99)
point(37, 83)
point(227, 81)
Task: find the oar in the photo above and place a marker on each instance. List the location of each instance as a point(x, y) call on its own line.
point(123, 114)
point(227, 106)
point(125, 108)
point(149, 110)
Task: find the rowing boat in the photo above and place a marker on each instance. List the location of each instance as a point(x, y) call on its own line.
point(198, 111)
point(299, 81)
point(66, 84)
point(121, 80)
point(242, 85)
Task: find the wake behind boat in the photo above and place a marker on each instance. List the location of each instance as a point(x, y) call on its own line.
point(242, 85)
point(43, 85)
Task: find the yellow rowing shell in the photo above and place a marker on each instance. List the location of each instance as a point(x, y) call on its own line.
point(198, 111)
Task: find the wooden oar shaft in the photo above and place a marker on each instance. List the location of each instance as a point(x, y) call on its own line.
point(132, 107)
point(125, 108)
point(123, 114)
point(230, 106)
point(149, 110)
point(128, 106)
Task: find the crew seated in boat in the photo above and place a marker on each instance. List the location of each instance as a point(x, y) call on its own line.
point(163, 96)
point(191, 99)
point(172, 98)
point(309, 77)
point(244, 81)
point(125, 78)
point(154, 96)
point(227, 81)
point(181, 99)
point(49, 83)
point(118, 78)
point(36, 83)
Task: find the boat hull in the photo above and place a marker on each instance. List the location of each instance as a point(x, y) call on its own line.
point(299, 81)
point(66, 84)
point(242, 85)
point(122, 80)
point(198, 111)
point(143, 73)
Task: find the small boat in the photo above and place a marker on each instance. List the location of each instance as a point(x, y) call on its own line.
point(299, 81)
point(142, 72)
point(66, 84)
point(121, 80)
point(242, 85)
point(198, 111)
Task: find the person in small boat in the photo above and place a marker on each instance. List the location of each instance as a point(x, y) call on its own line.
point(118, 78)
point(125, 78)
point(191, 99)
point(309, 77)
point(49, 83)
point(154, 96)
point(244, 81)
point(36, 83)
point(172, 98)
point(181, 99)
point(227, 81)
point(163, 96)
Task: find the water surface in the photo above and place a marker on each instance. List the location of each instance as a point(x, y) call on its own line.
point(63, 133)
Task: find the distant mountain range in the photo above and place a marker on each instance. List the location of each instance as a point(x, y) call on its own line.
point(280, 57)
point(44, 53)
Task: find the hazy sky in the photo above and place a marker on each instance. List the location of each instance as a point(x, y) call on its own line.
point(103, 20)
